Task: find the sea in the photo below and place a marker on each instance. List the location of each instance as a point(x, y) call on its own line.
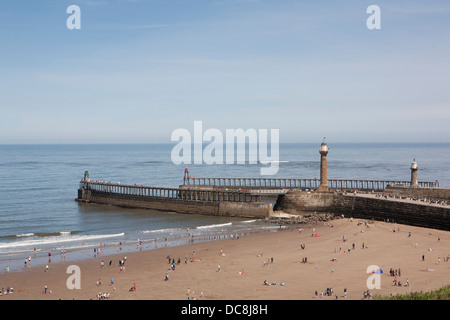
point(40, 219)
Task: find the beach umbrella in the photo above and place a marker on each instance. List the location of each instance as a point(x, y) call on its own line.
point(316, 235)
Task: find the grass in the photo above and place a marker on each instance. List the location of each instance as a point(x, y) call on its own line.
point(440, 294)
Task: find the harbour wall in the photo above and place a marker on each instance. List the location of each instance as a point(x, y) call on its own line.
point(243, 204)
point(404, 212)
point(430, 193)
point(219, 208)
point(367, 206)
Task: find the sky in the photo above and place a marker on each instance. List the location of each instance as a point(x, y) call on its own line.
point(139, 69)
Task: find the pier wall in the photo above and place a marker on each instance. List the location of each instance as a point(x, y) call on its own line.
point(430, 193)
point(367, 207)
point(308, 201)
point(404, 212)
point(219, 208)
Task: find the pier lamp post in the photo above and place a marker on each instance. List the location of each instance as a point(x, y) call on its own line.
point(323, 166)
point(414, 169)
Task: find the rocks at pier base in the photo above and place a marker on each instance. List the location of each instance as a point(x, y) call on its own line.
point(293, 217)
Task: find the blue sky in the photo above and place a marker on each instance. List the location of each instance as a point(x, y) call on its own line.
point(139, 69)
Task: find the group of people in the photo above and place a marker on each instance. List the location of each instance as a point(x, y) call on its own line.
point(7, 291)
point(122, 264)
point(422, 199)
point(268, 261)
point(367, 295)
point(172, 264)
point(399, 283)
point(395, 272)
point(102, 296)
point(328, 292)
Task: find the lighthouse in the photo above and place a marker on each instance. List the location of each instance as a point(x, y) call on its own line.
point(414, 169)
point(323, 166)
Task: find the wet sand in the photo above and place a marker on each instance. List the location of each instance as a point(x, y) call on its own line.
point(246, 262)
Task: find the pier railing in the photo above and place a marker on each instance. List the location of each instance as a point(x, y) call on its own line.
point(265, 183)
point(168, 193)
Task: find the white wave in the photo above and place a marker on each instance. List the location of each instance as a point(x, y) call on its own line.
point(215, 226)
point(249, 221)
point(57, 240)
point(25, 235)
point(273, 161)
point(163, 230)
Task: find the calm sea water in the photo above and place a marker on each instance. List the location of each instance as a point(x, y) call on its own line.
point(39, 185)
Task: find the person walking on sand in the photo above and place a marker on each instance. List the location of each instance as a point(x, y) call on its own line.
point(218, 268)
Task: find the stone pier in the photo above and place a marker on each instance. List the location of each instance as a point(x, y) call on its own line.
point(237, 204)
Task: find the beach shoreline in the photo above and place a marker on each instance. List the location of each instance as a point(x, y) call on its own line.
point(295, 264)
point(14, 261)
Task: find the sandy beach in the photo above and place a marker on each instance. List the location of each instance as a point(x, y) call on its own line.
point(295, 264)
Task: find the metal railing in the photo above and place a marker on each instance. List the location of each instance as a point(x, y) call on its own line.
point(299, 183)
point(190, 194)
